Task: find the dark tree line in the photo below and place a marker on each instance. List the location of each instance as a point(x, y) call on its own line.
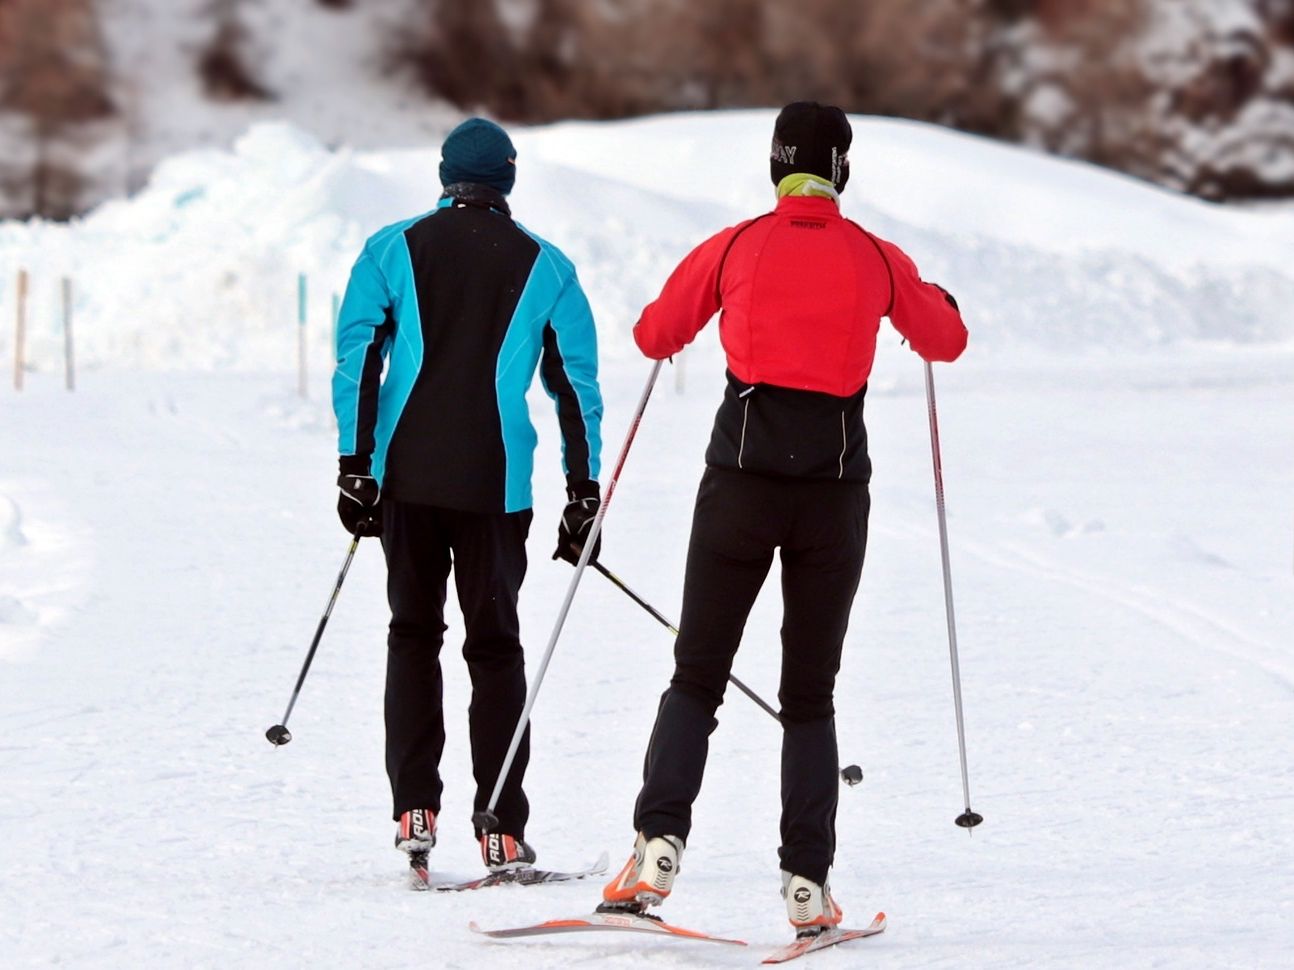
point(53, 84)
point(1157, 88)
point(1163, 89)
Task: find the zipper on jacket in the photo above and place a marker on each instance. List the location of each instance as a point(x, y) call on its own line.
point(844, 444)
point(745, 414)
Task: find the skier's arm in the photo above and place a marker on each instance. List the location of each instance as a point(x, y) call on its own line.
point(364, 327)
point(569, 372)
point(925, 313)
point(688, 300)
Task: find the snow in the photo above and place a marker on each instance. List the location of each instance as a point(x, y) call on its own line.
point(1116, 454)
point(200, 269)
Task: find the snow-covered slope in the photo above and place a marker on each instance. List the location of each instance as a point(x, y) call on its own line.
point(200, 269)
point(1116, 451)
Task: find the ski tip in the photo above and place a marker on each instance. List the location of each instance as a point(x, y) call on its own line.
point(600, 866)
point(878, 921)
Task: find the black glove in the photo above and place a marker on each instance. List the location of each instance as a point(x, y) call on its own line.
point(360, 504)
point(581, 509)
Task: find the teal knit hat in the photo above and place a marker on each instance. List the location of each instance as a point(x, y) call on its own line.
point(479, 151)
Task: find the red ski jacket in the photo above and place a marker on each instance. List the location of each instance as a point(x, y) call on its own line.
point(802, 291)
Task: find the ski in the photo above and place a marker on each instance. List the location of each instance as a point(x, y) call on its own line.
point(600, 922)
point(525, 877)
point(826, 938)
point(419, 874)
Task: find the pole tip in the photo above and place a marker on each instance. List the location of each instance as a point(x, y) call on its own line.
point(278, 735)
point(485, 821)
point(969, 819)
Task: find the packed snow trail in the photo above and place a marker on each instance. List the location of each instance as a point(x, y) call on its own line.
point(1117, 461)
point(1123, 618)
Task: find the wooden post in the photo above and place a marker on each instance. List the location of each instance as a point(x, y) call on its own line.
point(302, 384)
point(20, 331)
point(68, 359)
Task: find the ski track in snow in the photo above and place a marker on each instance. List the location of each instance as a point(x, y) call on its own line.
point(1127, 692)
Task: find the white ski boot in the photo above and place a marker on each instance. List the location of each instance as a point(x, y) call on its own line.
point(648, 876)
point(809, 906)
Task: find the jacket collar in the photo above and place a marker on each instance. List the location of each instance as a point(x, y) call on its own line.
point(475, 194)
point(816, 206)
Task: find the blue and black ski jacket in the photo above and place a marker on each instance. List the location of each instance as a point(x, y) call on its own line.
point(463, 303)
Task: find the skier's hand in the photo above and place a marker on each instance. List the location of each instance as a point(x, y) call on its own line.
point(584, 499)
point(360, 504)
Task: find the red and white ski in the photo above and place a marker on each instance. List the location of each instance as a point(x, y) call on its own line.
point(825, 939)
point(599, 922)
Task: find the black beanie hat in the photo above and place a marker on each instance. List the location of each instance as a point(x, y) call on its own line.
point(814, 138)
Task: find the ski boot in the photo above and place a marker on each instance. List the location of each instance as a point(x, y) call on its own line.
point(809, 906)
point(646, 878)
point(416, 835)
point(505, 853)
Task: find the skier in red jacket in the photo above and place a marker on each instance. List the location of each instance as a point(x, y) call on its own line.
point(801, 291)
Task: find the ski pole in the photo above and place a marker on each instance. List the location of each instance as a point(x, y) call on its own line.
point(968, 819)
point(279, 734)
point(850, 774)
point(486, 820)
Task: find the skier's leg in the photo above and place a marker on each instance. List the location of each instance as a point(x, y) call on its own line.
point(734, 530)
point(489, 566)
point(417, 562)
point(821, 566)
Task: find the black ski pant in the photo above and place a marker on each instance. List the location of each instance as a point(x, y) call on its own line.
point(488, 555)
point(740, 520)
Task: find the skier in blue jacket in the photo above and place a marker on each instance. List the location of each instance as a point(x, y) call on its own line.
point(462, 305)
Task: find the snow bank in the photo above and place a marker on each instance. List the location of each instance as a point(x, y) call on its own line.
point(200, 269)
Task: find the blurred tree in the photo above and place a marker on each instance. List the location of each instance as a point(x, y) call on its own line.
point(222, 64)
point(54, 74)
point(467, 56)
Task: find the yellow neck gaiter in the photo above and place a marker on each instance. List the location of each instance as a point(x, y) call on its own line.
point(803, 183)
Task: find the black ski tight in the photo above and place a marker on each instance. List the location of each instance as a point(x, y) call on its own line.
point(740, 520)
